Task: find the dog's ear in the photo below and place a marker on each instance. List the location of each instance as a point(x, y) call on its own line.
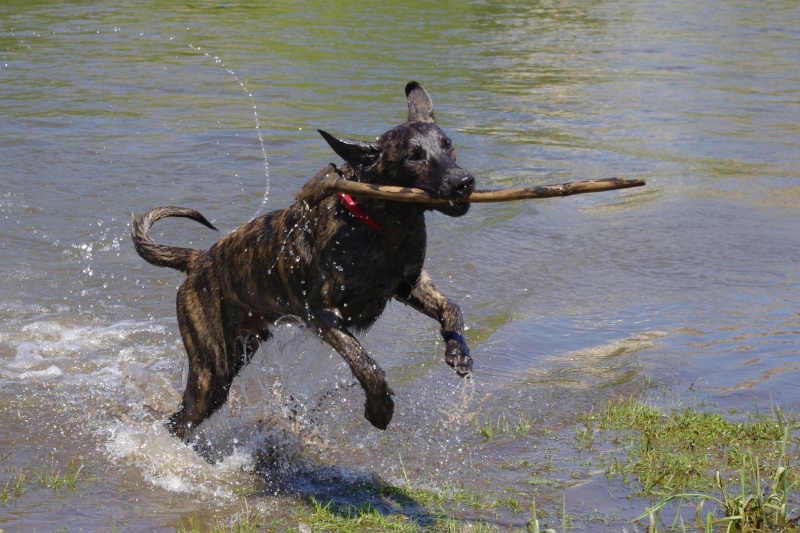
point(354, 152)
point(420, 105)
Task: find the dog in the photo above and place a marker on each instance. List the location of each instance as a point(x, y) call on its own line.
point(334, 265)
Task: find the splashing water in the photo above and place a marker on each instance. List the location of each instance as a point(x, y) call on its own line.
point(243, 84)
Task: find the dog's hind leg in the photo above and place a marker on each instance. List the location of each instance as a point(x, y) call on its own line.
point(379, 406)
point(210, 341)
point(252, 330)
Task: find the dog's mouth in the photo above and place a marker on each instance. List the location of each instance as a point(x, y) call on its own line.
point(453, 208)
point(456, 191)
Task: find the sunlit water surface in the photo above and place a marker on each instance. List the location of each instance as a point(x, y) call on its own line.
point(692, 281)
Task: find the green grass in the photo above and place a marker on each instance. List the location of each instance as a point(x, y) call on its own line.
point(13, 488)
point(756, 505)
point(48, 476)
point(736, 474)
point(500, 425)
point(365, 517)
point(532, 526)
point(429, 513)
point(246, 521)
point(678, 450)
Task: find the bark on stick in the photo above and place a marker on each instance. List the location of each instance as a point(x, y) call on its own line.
point(329, 181)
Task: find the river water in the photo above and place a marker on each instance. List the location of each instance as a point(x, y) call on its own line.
point(691, 282)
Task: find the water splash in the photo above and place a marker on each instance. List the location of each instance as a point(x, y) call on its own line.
point(243, 84)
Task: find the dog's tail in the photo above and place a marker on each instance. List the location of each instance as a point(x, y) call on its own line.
point(159, 254)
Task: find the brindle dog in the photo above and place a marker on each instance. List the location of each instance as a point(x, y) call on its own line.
point(332, 266)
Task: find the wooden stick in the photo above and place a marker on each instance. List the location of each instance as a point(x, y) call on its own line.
point(329, 181)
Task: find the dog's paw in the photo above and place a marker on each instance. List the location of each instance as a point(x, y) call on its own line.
point(379, 408)
point(457, 355)
point(178, 426)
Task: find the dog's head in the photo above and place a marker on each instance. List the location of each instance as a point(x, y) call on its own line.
point(415, 154)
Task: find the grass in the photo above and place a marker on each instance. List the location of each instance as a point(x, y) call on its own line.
point(758, 504)
point(532, 526)
point(246, 521)
point(499, 425)
point(14, 488)
point(735, 474)
point(48, 476)
point(677, 450)
point(383, 508)
point(364, 517)
point(313, 515)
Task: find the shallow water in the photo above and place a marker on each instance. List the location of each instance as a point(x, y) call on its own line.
point(691, 281)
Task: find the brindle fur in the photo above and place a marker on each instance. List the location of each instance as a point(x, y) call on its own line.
point(320, 264)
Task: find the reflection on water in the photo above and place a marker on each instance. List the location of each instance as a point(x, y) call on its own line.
point(690, 281)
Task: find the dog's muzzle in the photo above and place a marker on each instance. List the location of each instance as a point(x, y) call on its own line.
point(456, 189)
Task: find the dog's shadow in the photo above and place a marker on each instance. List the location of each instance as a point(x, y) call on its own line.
point(281, 468)
point(338, 491)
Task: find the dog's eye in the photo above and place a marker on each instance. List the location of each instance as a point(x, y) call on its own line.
point(447, 146)
point(417, 154)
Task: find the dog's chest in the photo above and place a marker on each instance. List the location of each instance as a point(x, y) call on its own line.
point(299, 262)
point(358, 272)
point(364, 269)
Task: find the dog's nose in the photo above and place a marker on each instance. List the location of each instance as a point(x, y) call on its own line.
point(462, 185)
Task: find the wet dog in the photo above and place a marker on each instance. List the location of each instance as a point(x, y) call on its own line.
point(334, 265)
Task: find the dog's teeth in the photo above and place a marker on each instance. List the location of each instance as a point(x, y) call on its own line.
point(452, 203)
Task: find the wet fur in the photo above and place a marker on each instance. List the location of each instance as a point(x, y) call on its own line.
point(320, 264)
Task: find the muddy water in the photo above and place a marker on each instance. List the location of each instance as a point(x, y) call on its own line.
point(692, 281)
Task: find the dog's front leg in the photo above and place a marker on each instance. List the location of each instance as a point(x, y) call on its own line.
point(379, 406)
point(423, 296)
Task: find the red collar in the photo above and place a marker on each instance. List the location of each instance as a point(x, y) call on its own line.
point(356, 210)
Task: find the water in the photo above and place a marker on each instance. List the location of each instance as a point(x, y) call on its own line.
point(691, 281)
